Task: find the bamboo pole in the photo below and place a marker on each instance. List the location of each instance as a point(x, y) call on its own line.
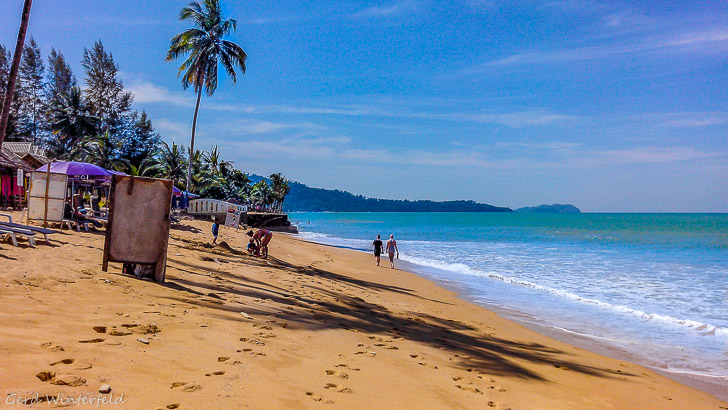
point(48, 183)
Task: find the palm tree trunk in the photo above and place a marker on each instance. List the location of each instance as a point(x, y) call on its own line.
point(192, 141)
point(8, 99)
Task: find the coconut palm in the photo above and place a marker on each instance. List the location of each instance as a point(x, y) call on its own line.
point(103, 150)
point(280, 188)
point(170, 163)
point(204, 50)
point(261, 193)
point(71, 121)
point(146, 168)
point(212, 160)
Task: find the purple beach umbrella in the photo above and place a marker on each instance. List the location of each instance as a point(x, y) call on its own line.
point(76, 169)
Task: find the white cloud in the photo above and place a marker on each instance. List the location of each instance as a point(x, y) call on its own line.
point(172, 128)
point(514, 119)
point(650, 155)
point(385, 11)
point(713, 40)
point(693, 120)
point(148, 93)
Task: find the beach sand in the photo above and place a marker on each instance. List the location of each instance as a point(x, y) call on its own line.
point(311, 327)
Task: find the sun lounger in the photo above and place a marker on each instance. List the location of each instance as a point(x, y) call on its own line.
point(13, 232)
point(76, 222)
point(36, 229)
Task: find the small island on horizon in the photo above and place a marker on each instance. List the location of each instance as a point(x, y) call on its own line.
point(550, 209)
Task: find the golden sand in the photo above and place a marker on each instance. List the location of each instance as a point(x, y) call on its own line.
point(311, 327)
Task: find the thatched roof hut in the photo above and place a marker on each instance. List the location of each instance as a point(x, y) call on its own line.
point(10, 163)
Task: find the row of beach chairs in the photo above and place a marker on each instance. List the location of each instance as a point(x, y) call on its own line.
point(14, 230)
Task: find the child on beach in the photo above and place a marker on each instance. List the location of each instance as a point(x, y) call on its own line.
point(252, 248)
point(215, 230)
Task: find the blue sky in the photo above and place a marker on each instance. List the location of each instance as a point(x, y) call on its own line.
point(611, 106)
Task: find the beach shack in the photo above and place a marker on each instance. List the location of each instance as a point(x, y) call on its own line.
point(31, 154)
point(13, 173)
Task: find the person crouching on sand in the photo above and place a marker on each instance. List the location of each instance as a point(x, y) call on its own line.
point(262, 238)
point(391, 248)
point(377, 244)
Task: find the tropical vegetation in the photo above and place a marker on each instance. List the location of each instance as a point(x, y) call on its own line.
point(97, 124)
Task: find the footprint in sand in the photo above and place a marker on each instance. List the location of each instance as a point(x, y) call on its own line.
point(53, 347)
point(339, 388)
point(386, 346)
point(223, 359)
point(356, 369)
point(173, 406)
point(177, 384)
point(340, 375)
point(116, 332)
point(91, 341)
point(64, 361)
point(61, 379)
point(469, 388)
point(217, 373)
point(429, 366)
point(316, 397)
point(365, 353)
point(192, 388)
point(100, 329)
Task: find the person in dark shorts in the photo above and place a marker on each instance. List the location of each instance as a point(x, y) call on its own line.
point(377, 244)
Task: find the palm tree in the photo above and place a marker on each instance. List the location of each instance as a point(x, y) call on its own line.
point(102, 150)
point(280, 188)
point(261, 193)
point(204, 49)
point(170, 163)
point(212, 160)
point(71, 121)
point(8, 99)
point(144, 169)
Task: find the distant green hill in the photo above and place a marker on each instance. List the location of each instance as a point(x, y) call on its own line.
point(305, 198)
point(550, 209)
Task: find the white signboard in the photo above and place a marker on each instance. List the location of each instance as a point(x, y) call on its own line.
point(232, 220)
point(19, 179)
point(56, 196)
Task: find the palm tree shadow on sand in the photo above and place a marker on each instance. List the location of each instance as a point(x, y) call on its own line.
point(335, 304)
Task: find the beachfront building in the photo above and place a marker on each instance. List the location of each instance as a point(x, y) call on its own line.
point(33, 155)
point(13, 174)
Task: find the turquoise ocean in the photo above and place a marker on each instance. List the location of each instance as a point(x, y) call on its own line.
point(653, 286)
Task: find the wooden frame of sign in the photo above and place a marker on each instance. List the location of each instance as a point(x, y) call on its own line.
point(138, 227)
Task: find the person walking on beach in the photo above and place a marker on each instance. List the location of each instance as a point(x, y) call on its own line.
point(391, 248)
point(262, 238)
point(377, 244)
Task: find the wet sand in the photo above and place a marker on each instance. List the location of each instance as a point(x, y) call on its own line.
point(313, 326)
